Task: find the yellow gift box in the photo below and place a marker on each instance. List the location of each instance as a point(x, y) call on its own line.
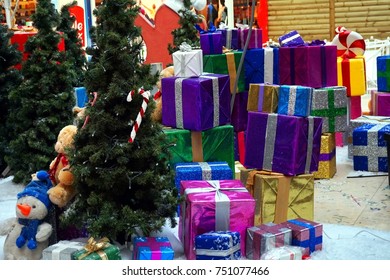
point(351, 73)
point(327, 160)
point(278, 197)
point(237, 170)
point(263, 98)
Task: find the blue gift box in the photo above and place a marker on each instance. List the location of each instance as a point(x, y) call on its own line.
point(218, 170)
point(81, 96)
point(261, 66)
point(295, 100)
point(218, 245)
point(370, 148)
point(152, 248)
point(291, 39)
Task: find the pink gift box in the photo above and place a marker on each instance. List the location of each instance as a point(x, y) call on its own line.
point(255, 41)
point(380, 102)
point(219, 205)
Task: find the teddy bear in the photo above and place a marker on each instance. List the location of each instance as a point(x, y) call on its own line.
point(61, 176)
point(157, 113)
point(27, 233)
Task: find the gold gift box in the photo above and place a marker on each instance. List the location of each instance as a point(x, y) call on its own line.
point(327, 163)
point(237, 170)
point(270, 98)
point(278, 197)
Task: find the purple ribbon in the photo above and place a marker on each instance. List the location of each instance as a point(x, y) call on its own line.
point(328, 156)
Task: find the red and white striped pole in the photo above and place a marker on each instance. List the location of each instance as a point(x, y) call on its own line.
point(137, 123)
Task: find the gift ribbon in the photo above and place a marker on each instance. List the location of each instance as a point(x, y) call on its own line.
point(327, 156)
point(152, 248)
point(331, 112)
point(222, 204)
point(93, 246)
point(313, 240)
point(270, 66)
point(179, 102)
point(310, 138)
point(229, 37)
point(292, 99)
point(219, 253)
point(231, 65)
point(61, 246)
point(372, 151)
point(346, 75)
point(270, 136)
point(268, 98)
point(289, 39)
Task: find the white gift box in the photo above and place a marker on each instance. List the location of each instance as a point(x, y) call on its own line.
point(188, 63)
point(62, 250)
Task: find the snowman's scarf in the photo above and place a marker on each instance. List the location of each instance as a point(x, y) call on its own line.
point(29, 230)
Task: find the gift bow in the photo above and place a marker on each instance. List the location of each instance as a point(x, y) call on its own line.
point(95, 246)
point(242, 26)
point(211, 29)
point(185, 47)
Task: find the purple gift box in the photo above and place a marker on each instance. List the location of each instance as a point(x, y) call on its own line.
point(239, 117)
point(311, 66)
point(255, 41)
point(286, 144)
point(261, 239)
point(380, 102)
point(293, 38)
point(196, 103)
point(219, 205)
point(211, 42)
point(230, 39)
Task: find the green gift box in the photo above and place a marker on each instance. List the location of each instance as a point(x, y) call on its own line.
point(216, 144)
point(227, 64)
point(100, 250)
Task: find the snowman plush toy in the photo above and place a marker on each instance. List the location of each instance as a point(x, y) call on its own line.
point(27, 233)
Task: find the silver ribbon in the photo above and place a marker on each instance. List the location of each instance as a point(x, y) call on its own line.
point(206, 170)
point(229, 36)
point(222, 204)
point(309, 151)
point(372, 151)
point(270, 136)
point(215, 86)
point(292, 99)
point(219, 253)
point(179, 102)
point(268, 65)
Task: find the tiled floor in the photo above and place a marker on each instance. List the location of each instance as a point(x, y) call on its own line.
point(349, 200)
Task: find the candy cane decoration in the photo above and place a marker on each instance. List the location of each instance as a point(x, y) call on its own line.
point(349, 43)
point(92, 104)
point(146, 96)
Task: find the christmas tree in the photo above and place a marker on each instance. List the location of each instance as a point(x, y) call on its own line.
point(42, 105)
point(124, 186)
point(73, 44)
point(9, 78)
point(187, 31)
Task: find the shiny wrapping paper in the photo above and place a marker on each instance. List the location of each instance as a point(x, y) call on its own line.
point(380, 102)
point(196, 103)
point(290, 39)
point(286, 144)
point(216, 144)
point(306, 234)
point(237, 171)
point(279, 197)
point(263, 238)
point(295, 100)
point(211, 43)
point(331, 104)
point(188, 171)
point(188, 63)
point(383, 73)
point(62, 250)
point(261, 66)
point(370, 148)
point(152, 248)
point(110, 252)
point(230, 39)
point(239, 117)
point(359, 122)
point(327, 165)
point(239, 146)
point(263, 98)
point(81, 96)
point(311, 66)
point(226, 64)
point(351, 73)
point(355, 107)
point(255, 41)
point(218, 245)
point(223, 205)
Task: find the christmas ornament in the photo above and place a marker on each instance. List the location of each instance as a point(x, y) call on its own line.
point(146, 96)
point(349, 43)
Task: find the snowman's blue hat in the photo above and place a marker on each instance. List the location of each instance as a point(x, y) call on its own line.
point(38, 189)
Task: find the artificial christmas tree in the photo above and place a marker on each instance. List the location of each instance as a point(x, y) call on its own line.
point(73, 44)
point(124, 183)
point(187, 31)
point(42, 105)
point(9, 78)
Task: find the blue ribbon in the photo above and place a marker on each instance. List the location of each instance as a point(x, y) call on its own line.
point(313, 240)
